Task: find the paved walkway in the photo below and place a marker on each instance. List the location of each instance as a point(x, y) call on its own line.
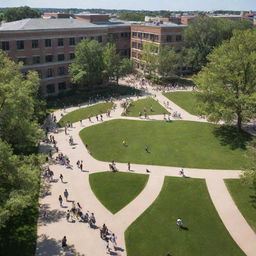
point(87, 241)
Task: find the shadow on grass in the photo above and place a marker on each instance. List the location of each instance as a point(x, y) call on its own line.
point(229, 136)
point(47, 216)
point(49, 246)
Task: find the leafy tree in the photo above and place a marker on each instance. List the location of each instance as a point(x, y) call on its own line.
point(18, 104)
point(227, 84)
point(111, 61)
point(87, 69)
point(125, 68)
point(19, 182)
point(206, 33)
point(168, 61)
point(19, 13)
point(148, 57)
point(114, 66)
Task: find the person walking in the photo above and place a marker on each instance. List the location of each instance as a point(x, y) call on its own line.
point(129, 166)
point(60, 200)
point(64, 242)
point(61, 178)
point(81, 165)
point(113, 240)
point(68, 215)
point(66, 194)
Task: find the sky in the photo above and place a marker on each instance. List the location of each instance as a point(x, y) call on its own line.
point(173, 5)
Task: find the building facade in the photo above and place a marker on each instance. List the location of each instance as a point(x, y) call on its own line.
point(48, 45)
point(156, 34)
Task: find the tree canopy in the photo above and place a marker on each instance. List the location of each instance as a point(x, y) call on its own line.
point(95, 63)
point(206, 33)
point(227, 85)
point(19, 13)
point(18, 106)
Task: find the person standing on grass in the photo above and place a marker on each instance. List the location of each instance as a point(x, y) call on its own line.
point(60, 200)
point(179, 223)
point(66, 194)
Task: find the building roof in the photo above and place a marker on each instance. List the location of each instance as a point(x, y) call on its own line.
point(54, 24)
point(159, 24)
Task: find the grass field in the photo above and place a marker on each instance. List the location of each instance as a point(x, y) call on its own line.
point(155, 231)
point(244, 196)
point(145, 104)
point(186, 100)
point(177, 143)
point(84, 113)
point(116, 190)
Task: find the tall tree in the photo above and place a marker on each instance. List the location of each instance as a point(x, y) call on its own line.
point(111, 61)
point(206, 33)
point(23, 12)
point(227, 85)
point(88, 65)
point(148, 57)
point(19, 182)
point(114, 66)
point(18, 104)
point(168, 61)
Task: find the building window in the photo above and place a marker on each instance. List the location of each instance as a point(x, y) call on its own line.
point(61, 57)
point(20, 45)
point(72, 41)
point(100, 39)
point(49, 72)
point(48, 42)
point(61, 71)
point(134, 45)
point(60, 42)
point(152, 37)
point(134, 34)
point(50, 88)
point(139, 35)
point(49, 58)
point(36, 59)
point(92, 37)
point(71, 56)
point(23, 60)
point(178, 38)
point(35, 44)
point(5, 46)
point(145, 35)
point(156, 37)
point(169, 38)
point(140, 46)
point(62, 86)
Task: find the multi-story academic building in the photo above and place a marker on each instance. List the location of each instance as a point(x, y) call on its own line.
point(48, 45)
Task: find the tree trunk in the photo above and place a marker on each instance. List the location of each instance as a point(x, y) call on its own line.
point(239, 122)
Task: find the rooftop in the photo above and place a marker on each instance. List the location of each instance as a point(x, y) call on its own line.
point(53, 24)
point(159, 24)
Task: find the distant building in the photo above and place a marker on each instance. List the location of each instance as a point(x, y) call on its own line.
point(188, 19)
point(56, 15)
point(228, 16)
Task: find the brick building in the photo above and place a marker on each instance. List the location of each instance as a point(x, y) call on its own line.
point(157, 34)
point(48, 45)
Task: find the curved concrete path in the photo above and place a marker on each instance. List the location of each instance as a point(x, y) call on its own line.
point(87, 241)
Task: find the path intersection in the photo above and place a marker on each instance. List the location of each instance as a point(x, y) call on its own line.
point(82, 239)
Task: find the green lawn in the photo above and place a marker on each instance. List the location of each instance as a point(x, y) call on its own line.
point(84, 113)
point(155, 232)
point(177, 143)
point(244, 196)
point(186, 100)
point(145, 104)
point(116, 190)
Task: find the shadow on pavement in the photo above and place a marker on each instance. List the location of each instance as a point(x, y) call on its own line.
point(51, 247)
